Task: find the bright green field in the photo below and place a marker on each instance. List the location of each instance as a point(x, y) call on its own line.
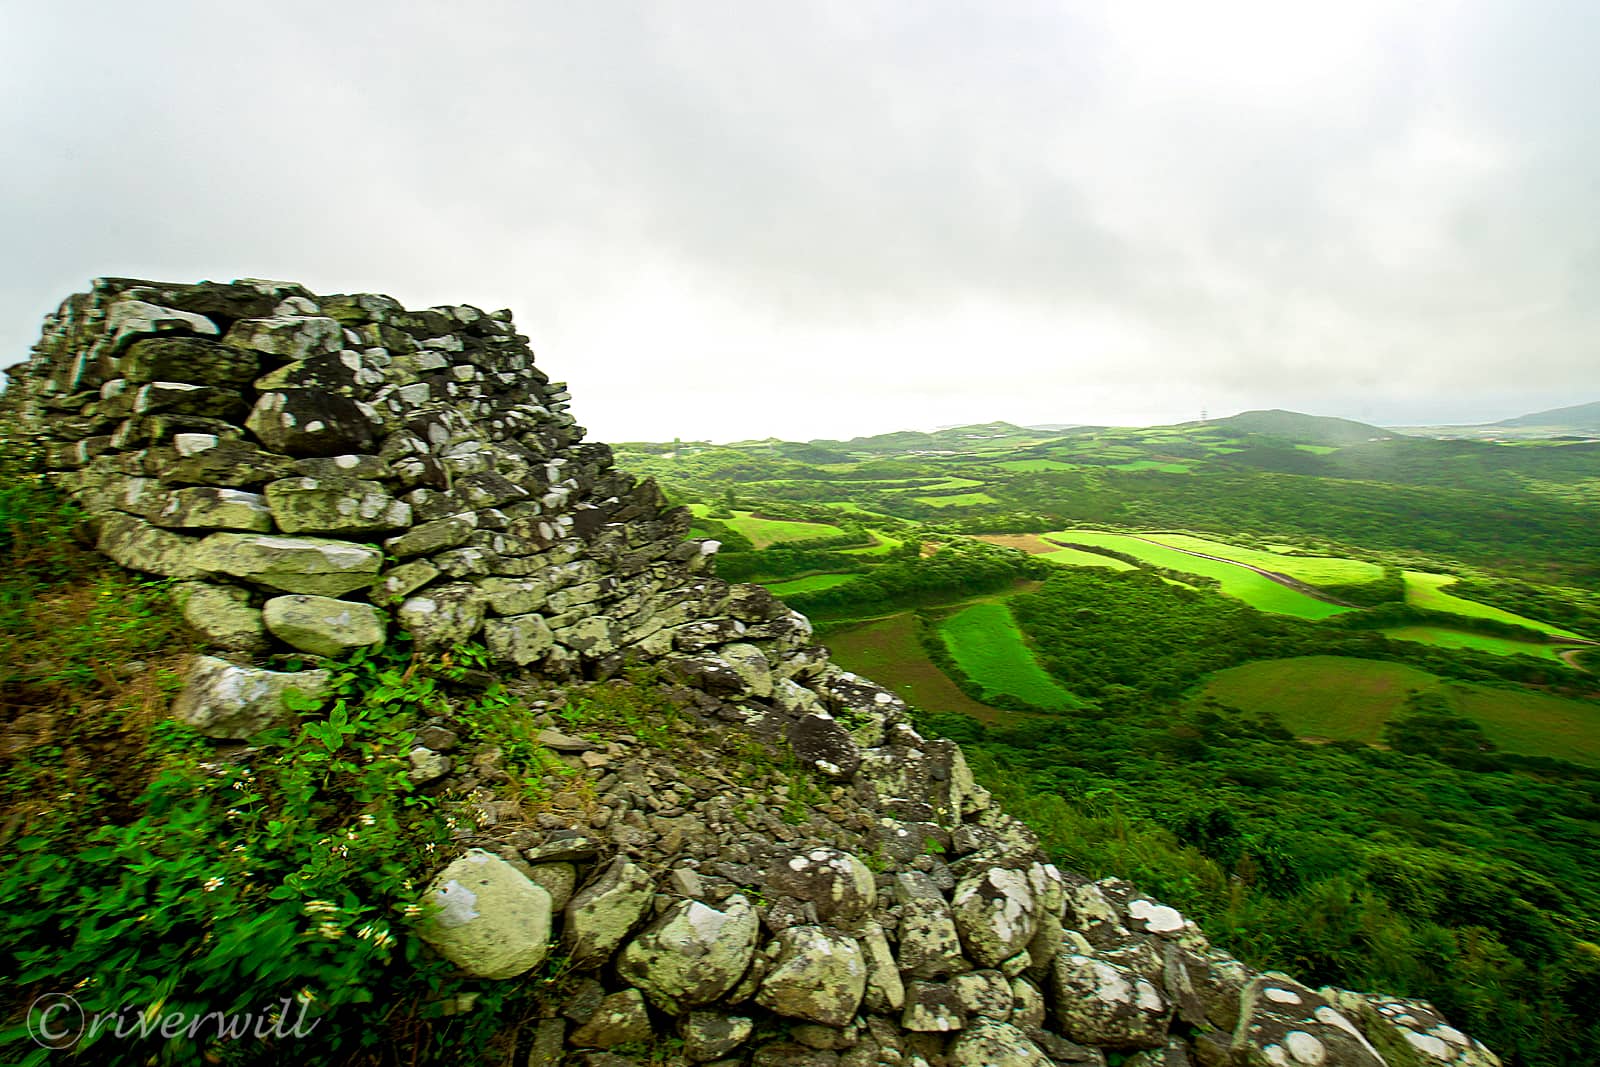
point(1312, 569)
point(1342, 698)
point(1152, 465)
point(1025, 465)
point(1317, 450)
point(988, 647)
point(962, 500)
point(1077, 557)
point(809, 584)
point(1448, 638)
point(766, 532)
point(1426, 590)
point(1248, 586)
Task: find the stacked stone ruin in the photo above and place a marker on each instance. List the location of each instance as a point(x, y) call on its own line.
point(320, 473)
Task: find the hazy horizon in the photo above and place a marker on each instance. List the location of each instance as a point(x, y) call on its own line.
point(735, 221)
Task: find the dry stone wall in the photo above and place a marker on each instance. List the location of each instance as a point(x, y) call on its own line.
point(318, 473)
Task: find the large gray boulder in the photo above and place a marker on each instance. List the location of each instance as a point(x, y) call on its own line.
point(692, 955)
point(322, 625)
point(489, 919)
point(223, 700)
point(815, 974)
point(311, 565)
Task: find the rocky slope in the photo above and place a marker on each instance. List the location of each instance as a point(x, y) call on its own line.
point(780, 871)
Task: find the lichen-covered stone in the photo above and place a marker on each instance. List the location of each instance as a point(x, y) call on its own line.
point(345, 507)
point(310, 422)
point(601, 915)
point(434, 536)
point(222, 615)
point(692, 955)
point(1408, 1033)
point(885, 992)
point(223, 700)
point(996, 1044)
point(994, 914)
point(710, 1036)
point(518, 639)
point(443, 616)
point(287, 337)
point(815, 974)
point(1101, 1003)
point(313, 565)
point(322, 625)
point(621, 1018)
point(489, 919)
point(929, 944)
point(139, 546)
point(129, 320)
point(932, 1008)
point(1284, 1024)
point(206, 508)
point(839, 884)
point(187, 359)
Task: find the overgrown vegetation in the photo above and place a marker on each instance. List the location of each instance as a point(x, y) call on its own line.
point(153, 875)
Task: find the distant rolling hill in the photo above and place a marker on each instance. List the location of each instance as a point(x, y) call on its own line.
point(1294, 426)
point(1577, 417)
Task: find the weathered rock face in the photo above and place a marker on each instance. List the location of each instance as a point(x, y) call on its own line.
point(323, 472)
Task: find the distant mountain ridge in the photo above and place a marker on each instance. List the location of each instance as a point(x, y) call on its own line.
point(1578, 416)
point(1296, 426)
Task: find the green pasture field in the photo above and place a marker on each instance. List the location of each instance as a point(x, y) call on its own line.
point(1344, 698)
point(887, 651)
point(1248, 586)
point(962, 500)
point(1312, 569)
point(764, 533)
point(808, 584)
point(882, 545)
point(850, 506)
point(1444, 637)
point(1152, 465)
point(1026, 465)
point(944, 486)
point(1340, 698)
point(987, 645)
point(1077, 557)
point(1317, 450)
point(1425, 589)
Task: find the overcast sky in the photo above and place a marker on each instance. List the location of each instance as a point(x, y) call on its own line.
point(812, 219)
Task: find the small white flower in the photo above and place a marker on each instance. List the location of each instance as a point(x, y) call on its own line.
point(212, 884)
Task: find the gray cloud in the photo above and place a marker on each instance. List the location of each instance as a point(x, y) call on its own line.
point(725, 220)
